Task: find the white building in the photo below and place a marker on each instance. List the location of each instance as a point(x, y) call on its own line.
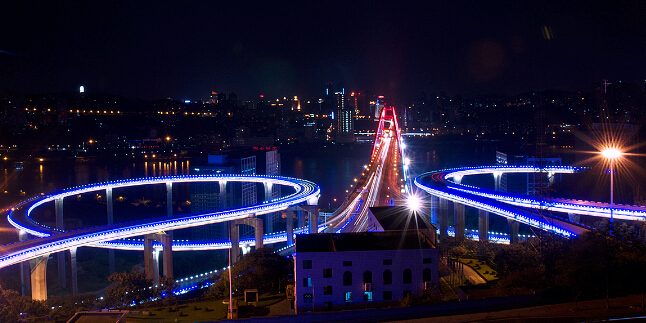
point(354, 270)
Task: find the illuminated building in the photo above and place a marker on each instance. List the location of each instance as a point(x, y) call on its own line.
point(346, 270)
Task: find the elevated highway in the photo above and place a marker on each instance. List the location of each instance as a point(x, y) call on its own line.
point(51, 240)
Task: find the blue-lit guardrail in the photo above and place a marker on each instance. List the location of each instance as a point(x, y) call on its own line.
point(497, 202)
point(592, 208)
point(55, 240)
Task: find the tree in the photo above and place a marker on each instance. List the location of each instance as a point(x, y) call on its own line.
point(521, 268)
point(261, 269)
point(12, 305)
point(165, 289)
point(128, 288)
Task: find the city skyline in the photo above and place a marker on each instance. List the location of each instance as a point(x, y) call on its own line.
point(184, 51)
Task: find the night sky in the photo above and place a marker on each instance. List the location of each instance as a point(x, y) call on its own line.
point(185, 49)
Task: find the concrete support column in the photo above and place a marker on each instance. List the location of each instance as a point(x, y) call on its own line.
point(496, 180)
point(60, 257)
point(301, 219)
point(223, 194)
point(258, 233)
point(149, 261)
point(483, 225)
point(435, 204)
point(151, 256)
point(235, 242)
point(39, 278)
point(289, 217)
point(269, 217)
point(443, 219)
point(458, 220)
point(155, 267)
point(25, 272)
point(169, 199)
point(313, 215)
point(167, 243)
point(169, 203)
point(110, 201)
point(574, 217)
point(513, 230)
point(268, 191)
point(74, 289)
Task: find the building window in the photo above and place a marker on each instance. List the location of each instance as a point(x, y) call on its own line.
point(327, 306)
point(307, 298)
point(327, 273)
point(388, 277)
point(307, 264)
point(347, 278)
point(388, 262)
point(408, 293)
point(427, 260)
point(367, 296)
point(347, 263)
point(307, 282)
point(327, 290)
point(408, 276)
point(367, 277)
point(348, 296)
point(388, 295)
point(426, 275)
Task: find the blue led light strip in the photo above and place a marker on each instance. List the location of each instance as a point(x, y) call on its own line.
point(494, 201)
point(54, 241)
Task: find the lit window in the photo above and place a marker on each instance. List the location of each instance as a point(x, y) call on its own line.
point(348, 296)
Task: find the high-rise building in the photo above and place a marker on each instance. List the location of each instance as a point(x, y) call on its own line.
point(380, 104)
point(344, 119)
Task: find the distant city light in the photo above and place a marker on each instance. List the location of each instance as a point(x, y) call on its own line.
point(82, 89)
point(187, 101)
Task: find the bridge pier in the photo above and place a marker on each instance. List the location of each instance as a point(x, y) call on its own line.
point(483, 225)
point(443, 219)
point(151, 256)
point(74, 289)
point(110, 201)
point(458, 220)
point(269, 217)
point(60, 256)
point(289, 218)
point(497, 176)
point(223, 194)
point(513, 230)
point(313, 216)
point(435, 203)
point(39, 278)
point(257, 225)
point(25, 272)
point(301, 218)
point(169, 203)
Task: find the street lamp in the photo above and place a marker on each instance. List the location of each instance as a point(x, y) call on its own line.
point(414, 203)
point(611, 153)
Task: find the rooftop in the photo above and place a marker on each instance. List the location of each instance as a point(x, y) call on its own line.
point(362, 241)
